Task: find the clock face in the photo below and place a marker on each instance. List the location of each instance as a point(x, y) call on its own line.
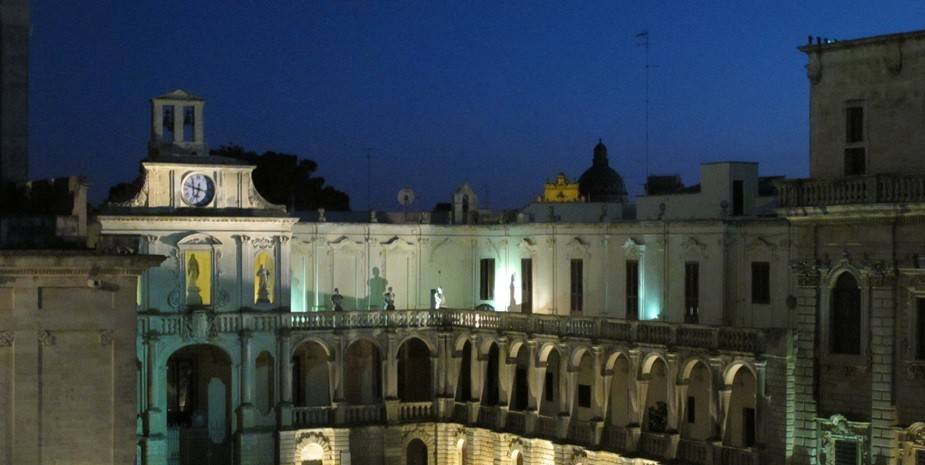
point(198, 190)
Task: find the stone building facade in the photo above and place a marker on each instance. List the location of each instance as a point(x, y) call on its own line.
point(718, 337)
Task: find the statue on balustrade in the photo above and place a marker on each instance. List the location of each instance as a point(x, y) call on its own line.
point(388, 298)
point(337, 301)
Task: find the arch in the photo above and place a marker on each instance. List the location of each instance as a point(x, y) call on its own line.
point(741, 415)
point(732, 370)
point(552, 383)
point(423, 339)
point(514, 347)
point(655, 415)
point(264, 382)
point(645, 368)
point(415, 376)
point(690, 364)
point(416, 452)
point(583, 397)
point(845, 315)
point(697, 422)
point(311, 374)
point(621, 390)
point(199, 400)
point(491, 385)
point(328, 351)
point(577, 355)
point(312, 448)
point(611, 360)
point(461, 453)
point(461, 341)
point(520, 389)
point(362, 360)
point(542, 355)
point(464, 381)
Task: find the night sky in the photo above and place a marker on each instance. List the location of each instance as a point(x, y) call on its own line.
point(500, 96)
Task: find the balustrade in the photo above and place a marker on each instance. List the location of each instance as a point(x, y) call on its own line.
point(582, 432)
point(654, 444)
point(363, 414)
point(615, 438)
point(516, 422)
point(307, 417)
point(648, 332)
point(736, 456)
point(547, 426)
point(879, 188)
point(692, 451)
point(415, 411)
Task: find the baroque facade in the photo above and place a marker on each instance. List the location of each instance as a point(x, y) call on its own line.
point(712, 329)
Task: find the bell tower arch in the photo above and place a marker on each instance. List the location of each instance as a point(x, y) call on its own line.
point(177, 125)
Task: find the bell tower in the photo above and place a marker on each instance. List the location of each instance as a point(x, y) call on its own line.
point(177, 125)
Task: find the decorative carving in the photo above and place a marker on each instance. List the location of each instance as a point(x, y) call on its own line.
point(915, 370)
point(6, 338)
point(838, 428)
point(692, 245)
point(106, 337)
point(807, 272)
point(313, 437)
point(174, 299)
point(263, 242)
point(761, 243)
point(915, 433)
point(633, 248)
point(46, 338)
point(222, 298)
point(199, 325)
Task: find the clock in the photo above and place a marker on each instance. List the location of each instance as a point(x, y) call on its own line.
point(198, 190)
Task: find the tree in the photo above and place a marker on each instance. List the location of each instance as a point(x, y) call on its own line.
point(281, 178)
point(285, 179)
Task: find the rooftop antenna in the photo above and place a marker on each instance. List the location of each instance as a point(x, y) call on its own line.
point(642, 40)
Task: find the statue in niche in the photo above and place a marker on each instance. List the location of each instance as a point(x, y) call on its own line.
point(193, 293)
point(658, 417)
point(263, 279)
point(389, 299)
point(337, 301)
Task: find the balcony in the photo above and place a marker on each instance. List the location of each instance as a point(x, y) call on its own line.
point(209, 324)
point(808, 194)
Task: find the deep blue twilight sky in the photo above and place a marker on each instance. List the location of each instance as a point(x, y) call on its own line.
point(500, 94)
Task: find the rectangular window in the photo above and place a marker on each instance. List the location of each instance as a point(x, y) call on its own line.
point(526, 285)
point(761, 283)
point(487, 279)
point(632, 290)
point(738, 198)
point(298, 394)
point(549, 386)
point(584, 396)
point(691, 292)
point(855, 162)
point(577, 286)
point(920, 457)
point(691, 409)
point(920, 333)
point(520, 389)
point(846, 452)
point(854, 119)
point(748, 427)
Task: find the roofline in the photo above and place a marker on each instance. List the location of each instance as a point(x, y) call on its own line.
point(840, 44)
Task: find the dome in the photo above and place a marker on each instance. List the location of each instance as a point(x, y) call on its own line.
point(600, 182)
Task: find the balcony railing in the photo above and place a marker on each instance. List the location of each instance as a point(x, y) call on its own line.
point(203, 324)
point(879, 188)
point(691, 451)
point(516, 422)
point(615, 438)
point(307, 417)
point(655, 444)
point(363, 414)
point(416, 411)
point(735, 456)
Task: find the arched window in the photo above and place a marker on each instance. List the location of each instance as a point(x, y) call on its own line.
point(416, 453)
point(845, 316)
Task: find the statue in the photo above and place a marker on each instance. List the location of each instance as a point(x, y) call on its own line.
point(389, 299)
point(438, 298)
point(337, 301)
point(263, 279)
point(193, 296)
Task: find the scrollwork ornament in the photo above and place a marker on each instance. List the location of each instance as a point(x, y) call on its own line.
point(6, 339)
point(106, 337)
point(46, 338)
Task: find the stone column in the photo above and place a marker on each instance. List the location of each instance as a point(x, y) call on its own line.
point(534, 386)
point(157, 121)
point(477, 378)
point(156, 423)
point(284, 410)
point(247, 410)
point(283, 289)
point(671, 375)
point(390, 380)
point(505, 381)
point(567, 379)
point(337, 382)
